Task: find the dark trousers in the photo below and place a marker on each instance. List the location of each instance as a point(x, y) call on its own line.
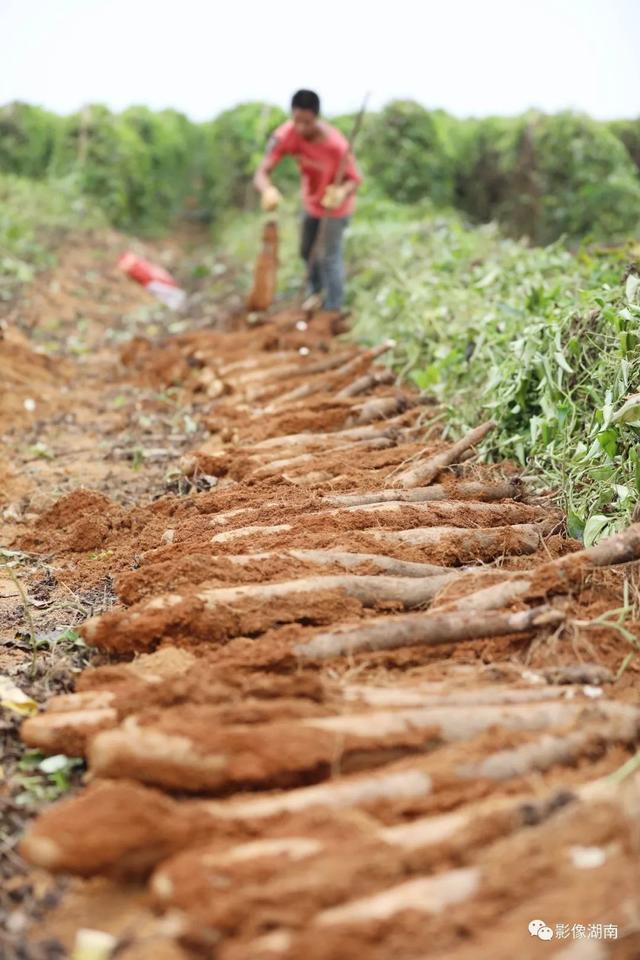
point(324, 258)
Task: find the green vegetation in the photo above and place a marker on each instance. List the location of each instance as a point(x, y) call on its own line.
point(44, 779)
point(540, 176)
point(408, 153)
point(172, 144)
point(27, 136)
point(33, 217)
point(547, 177)
point(544, 341)
point(141, 167)
point(628, 131)
point(144, 168)
point(584, 183)
point(138, 165)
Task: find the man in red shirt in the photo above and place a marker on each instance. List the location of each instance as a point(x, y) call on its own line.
point(329, 178)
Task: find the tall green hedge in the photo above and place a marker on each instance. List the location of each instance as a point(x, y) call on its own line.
point(543, 176)
point(409, 151)
point(139, 165)
point(486, 158)
point(27, 136)
point(628, 131)
point(583, 181)
point(547, 176)
point(540, 176)
point(173, 146)
point(109, 159)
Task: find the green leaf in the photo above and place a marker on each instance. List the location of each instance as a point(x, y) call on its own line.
point(629, 412)
point(595, 529)
point(631, 288)
point(30, 760)
point(427, 377)
point(608, 440)
point(634, 460)
point(575, 525)
point(561, 360)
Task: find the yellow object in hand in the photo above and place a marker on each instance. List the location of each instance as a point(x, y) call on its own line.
point(271, 198)
point(334, 196)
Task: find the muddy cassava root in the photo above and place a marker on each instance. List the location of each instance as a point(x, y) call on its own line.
point(557, 576)
point(429, 629)
point(424, 472)
point(216, 760)
point(463, 490)
point(85, 714)
point(395, 568)
point(191, 614)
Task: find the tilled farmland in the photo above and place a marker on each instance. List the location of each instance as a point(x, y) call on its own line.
point(356, 694)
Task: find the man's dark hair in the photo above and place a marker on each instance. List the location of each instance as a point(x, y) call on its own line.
point(306, 100)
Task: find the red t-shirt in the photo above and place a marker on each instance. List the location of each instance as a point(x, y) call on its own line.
point(318, 163)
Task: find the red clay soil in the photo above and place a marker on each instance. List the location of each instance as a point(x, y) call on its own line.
point(243, 803)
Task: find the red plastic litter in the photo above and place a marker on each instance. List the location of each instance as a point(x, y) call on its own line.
point(153, 278)
point(143, 271)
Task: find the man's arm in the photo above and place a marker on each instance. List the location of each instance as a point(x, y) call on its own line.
point(271, 196)
point(262, 180)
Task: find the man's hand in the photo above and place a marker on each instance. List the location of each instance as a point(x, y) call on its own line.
point(335, 195)
point(271, 198)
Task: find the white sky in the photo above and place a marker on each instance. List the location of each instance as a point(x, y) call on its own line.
point(471, 57)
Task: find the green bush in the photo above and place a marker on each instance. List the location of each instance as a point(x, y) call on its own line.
point(540, 176)
point(108, 159)
point(140, 166)
point(33, 217)
point(583, 182)
point(27, 136)
point(409, 151)
point(486, 158)
point(628, 131)
point(548, 176)
point(172, 143)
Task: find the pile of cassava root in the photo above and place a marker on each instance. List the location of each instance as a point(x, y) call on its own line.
point(362, 698)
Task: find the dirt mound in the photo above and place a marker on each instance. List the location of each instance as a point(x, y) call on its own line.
point(81, 521)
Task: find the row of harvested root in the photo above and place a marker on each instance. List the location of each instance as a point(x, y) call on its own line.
point(215, 615)
point(354, 835)
point(302, 859)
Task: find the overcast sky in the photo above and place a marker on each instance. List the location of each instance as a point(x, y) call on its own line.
point(471, 57)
